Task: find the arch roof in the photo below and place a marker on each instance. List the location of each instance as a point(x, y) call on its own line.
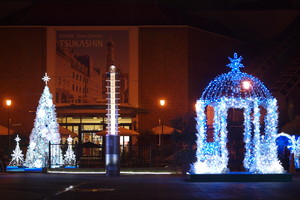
point(235, 84)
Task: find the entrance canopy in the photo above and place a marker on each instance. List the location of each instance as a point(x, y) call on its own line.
point(122, 132)
point(66, 132)
point(165, 130)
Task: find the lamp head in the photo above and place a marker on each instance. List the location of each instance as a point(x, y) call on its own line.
point(162, 102)
point(8, 102)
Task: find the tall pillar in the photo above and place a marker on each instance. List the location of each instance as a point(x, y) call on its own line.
point(112, 156)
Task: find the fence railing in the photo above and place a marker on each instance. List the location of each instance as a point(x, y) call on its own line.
point(133, 156)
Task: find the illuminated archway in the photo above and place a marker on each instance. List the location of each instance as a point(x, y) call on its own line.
point(291, 138)
point(236, 89)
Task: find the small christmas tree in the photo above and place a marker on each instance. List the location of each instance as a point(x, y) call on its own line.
point(44, 133)
point(17, 156)
point(70, 158)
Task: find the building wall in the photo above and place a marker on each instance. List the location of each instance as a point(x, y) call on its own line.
point(208, 57)
point(22, 64)
point(163, 73)
point(176, 63)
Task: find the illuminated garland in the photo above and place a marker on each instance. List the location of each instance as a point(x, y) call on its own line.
point(270, 162)
point(237, 90)
point(256, 161)
point(201, 128)
point(248, 160)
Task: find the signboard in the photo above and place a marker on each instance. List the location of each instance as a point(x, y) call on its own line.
point(80, 58)
point(82, 61)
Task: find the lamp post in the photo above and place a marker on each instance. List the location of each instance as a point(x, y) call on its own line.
point(8, 104)
point(162, 103)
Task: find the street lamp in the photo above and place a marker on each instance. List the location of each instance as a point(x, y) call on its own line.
point(162, 103)
point(8, 104)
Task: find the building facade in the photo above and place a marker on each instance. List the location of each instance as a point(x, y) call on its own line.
point(173, 63)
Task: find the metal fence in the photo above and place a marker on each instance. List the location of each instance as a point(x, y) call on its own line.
point(131, 156)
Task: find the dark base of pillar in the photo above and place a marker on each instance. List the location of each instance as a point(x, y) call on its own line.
point(112, 172)
point(112, 156)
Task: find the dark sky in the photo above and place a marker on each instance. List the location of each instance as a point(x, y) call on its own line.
point(178, 12)
point(8, 7)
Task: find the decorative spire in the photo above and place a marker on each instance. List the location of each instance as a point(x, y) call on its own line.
point(46, 78)
point(235, 63)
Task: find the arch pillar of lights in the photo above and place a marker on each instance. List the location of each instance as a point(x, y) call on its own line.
point(236, 89)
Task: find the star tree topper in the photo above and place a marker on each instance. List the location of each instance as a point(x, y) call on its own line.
point(17, 139)
point(235, 64)
point(46, 78)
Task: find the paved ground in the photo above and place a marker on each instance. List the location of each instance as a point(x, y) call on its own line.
point(42, 186)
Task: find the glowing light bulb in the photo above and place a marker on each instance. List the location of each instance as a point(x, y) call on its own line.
point(246, 85)
point(162, 102)
point(8, 102)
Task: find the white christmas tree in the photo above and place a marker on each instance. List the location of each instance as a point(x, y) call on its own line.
point(70, 158)
point(44, 133)
point(17, 156)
